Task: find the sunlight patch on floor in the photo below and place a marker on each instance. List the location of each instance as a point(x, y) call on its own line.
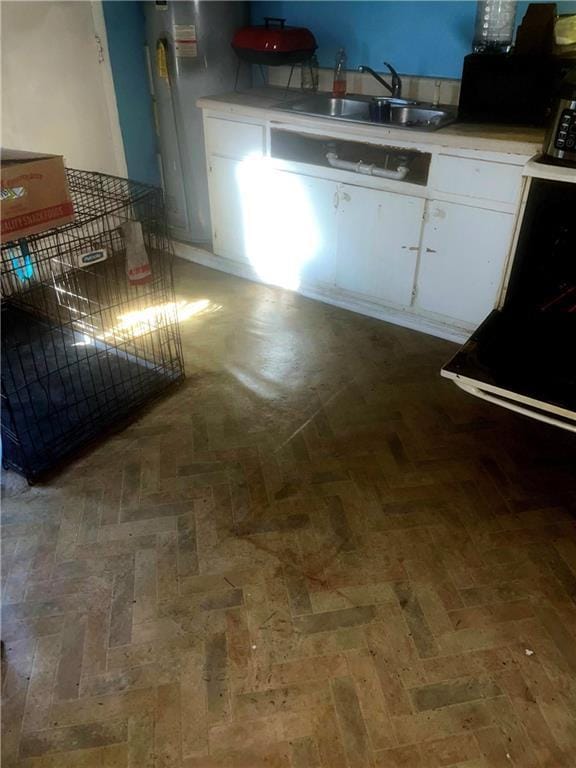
point(139, 322)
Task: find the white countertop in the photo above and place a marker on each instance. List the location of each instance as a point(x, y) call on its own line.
point(260, 102)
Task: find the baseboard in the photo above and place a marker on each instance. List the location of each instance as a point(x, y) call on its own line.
point(333, 297)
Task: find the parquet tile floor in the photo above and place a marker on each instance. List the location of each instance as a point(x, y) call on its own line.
point(315, 553)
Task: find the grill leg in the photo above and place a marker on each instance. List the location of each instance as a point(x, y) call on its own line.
point(289, 80)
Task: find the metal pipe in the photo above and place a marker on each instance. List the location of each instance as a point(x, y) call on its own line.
point(368, 169)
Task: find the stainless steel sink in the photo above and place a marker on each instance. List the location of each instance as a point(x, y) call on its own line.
point(428, 118)
point(327, 106)
point(402, 113)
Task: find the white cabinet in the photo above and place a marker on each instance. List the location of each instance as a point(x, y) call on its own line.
point(283, 224)
point(228, 232)
point(233, 139)
point(289, 225)
point(315, 231)
point(462, 260)
point(468, 177)
point(439, 254)
point(378, 241)
point(299, 231)
point(318, 233)
point(233, 150)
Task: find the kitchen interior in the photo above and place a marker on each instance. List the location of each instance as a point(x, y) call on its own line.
point(288, 384)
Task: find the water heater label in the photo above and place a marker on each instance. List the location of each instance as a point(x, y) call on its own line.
point(185, 43)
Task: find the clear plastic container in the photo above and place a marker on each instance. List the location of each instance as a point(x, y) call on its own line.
point(495, 25)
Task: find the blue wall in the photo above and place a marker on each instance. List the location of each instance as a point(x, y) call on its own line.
point(126, 38)
point(418, 38)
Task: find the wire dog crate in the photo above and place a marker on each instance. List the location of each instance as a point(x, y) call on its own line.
point(82, 347)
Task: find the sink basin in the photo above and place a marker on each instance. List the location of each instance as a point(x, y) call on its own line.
point(327, 106)
point(400, 113)
point(429, 118)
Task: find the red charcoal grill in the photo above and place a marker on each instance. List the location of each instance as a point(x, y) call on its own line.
point(273, 44)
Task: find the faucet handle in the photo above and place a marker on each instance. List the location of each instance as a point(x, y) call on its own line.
point(396, 81)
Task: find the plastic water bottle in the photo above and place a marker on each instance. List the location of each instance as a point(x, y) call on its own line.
point(495, 23)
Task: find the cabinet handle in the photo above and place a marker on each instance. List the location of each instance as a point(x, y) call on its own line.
point(336, 199)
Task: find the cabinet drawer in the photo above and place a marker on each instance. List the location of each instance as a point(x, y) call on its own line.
point(231, 139)
point(478, 178)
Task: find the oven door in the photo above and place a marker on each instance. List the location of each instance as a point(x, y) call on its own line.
point(522, 361)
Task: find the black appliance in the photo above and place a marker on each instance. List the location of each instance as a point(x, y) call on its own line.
point(510, 88)
point(560, 141)
point(523, 356)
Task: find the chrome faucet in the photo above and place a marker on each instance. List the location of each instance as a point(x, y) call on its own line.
point(396, 87)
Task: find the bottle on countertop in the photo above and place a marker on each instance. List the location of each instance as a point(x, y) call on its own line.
point(339, 84)
point(495, 24)
point(309, 74)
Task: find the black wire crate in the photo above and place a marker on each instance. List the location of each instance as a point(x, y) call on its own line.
point(89, 322)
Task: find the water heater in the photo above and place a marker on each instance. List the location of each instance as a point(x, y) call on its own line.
point(190, 55)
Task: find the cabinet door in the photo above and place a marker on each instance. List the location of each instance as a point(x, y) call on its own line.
point(378, 240)
point(289, 224)
point(283, 224)
point(462, 261)
point(312, 216)
point(228, 225)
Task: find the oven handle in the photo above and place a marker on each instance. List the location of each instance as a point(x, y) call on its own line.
point(477, 392)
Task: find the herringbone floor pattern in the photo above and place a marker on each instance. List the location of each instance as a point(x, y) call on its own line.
point(316, 553)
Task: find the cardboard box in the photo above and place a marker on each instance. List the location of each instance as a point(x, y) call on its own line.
point(34, 194)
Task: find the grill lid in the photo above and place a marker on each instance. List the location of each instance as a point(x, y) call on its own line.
point(274, 37)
